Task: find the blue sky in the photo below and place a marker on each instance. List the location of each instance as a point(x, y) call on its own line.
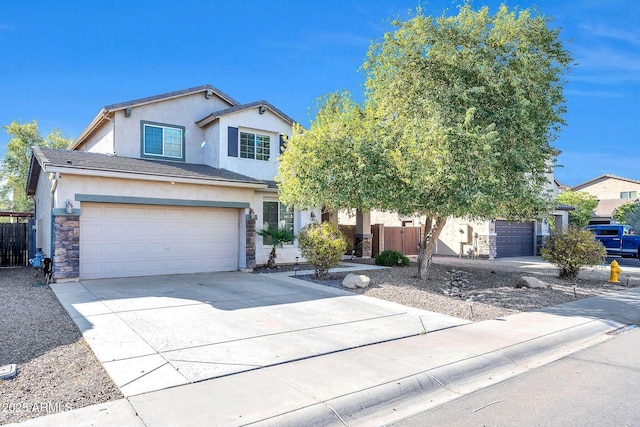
point(63, 61)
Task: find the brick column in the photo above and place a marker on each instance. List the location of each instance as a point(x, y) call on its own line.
point(363, 234)
point(251, 242)
point(66, 247)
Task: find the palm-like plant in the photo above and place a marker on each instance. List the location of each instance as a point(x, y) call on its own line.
point(277, 237)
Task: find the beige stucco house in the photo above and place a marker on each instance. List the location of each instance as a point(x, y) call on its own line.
point(611, 191)
point(495, 238)
point(173, 183)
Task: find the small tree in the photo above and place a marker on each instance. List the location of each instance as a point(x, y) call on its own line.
point(572, 250)
point(633, 220)
point(277, 237)
point(583, 204)
point(15, 165)
point(322, 245)
point(623, 212)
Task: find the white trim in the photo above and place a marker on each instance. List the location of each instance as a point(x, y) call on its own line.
point(149, 177)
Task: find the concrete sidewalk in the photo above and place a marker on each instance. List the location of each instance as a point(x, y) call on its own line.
point(376, 384)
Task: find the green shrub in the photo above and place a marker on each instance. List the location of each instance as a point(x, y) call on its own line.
point(322, 245)
point(391, 259)
point(573, 249)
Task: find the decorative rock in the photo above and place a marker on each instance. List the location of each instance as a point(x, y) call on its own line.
point(353, 281)
point(8, 371)
point(531, 282)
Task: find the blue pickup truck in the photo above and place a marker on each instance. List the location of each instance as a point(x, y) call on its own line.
point(619, 240)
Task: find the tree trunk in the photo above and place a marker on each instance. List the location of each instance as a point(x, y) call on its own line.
point(271, 263)
point(433, 227)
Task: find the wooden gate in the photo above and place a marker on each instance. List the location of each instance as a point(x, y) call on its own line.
point(402, 239)
point(13, 244)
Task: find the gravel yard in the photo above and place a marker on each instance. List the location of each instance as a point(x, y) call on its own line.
point(57, 370)
point(480, 289)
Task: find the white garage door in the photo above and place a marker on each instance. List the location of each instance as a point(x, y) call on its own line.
point(118, 240)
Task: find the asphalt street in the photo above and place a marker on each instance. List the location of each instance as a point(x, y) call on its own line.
point(598, 386)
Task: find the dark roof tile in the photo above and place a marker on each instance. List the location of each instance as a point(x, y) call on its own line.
point(104, 162)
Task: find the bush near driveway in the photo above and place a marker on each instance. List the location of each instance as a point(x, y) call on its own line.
point(322, 245)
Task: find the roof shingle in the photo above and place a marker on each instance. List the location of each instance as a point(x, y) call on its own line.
point(104, 162)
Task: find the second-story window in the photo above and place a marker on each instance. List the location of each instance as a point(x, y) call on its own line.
point(163, 141)
point(628, 194)
point(255, 146)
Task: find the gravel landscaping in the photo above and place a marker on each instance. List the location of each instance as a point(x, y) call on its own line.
point(57, 371)
point(480, 289)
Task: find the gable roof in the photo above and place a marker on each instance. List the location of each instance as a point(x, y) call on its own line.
point(48, 159)
point(602, 178)
point(256, 104)
point(606, 207)
point(102, 116)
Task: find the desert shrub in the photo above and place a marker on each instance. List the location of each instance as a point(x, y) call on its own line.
point(322, 245)
point(390, 258)
point(572, 250)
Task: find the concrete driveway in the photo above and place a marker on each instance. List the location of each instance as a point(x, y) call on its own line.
point(156, 332)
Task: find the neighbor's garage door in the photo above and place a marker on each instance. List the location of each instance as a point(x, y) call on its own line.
point(118, 240)
point(514, 239)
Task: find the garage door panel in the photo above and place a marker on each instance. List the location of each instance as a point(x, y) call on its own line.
point(177, 214)
point(113, 212)
point(130, 240)
point(116, 248)
point(134, 230)
point(156, 214)
point(227, 263)
point(157, 249)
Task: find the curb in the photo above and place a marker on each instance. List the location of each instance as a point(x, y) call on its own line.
point(405, 396)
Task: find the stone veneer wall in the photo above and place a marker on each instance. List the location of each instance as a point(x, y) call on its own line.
point(364, 245)
point(66, 247)
point(251, 242)
point(487, 247)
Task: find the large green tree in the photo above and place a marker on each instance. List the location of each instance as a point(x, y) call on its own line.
point(457, 120)
point(15, 165)
point(583, 205)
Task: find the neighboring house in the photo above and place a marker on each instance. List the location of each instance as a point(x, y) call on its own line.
point(174, 183)
point(490, 239)
point(611, 191)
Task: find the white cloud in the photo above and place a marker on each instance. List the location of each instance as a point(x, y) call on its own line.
point(595, 93)
point(613, 33)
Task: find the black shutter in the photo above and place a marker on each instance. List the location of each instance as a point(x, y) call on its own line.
point(232, 142)
point(282, 143)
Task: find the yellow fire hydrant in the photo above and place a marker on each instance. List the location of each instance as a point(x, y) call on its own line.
point(615, 272)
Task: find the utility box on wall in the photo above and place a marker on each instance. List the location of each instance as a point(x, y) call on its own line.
point(464, 233)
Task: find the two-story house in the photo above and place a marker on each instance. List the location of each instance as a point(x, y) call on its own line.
point(611, 191)
point(173, 183)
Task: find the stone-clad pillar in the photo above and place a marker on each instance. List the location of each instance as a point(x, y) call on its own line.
point(363, 236)
point(251, 242)
point(66, 247)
